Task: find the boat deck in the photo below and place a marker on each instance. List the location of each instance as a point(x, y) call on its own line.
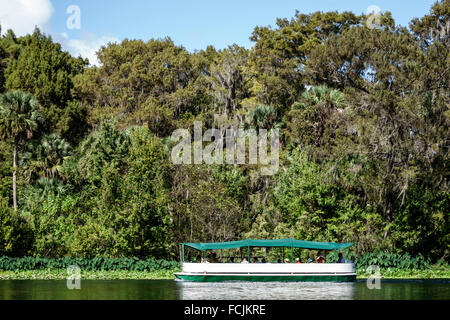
point(212, 272)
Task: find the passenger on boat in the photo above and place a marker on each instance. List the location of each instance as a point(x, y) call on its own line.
point(320, 258)
point(340, 258)
point(244, 260)
point(203, 260)
point(279, 261)
point(255, 260)
point(286, 260)
point(263, 260)
point(214, 258)
point(298, 260)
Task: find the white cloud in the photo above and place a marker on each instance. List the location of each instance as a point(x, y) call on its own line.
point(22, 16)
point(86, 48)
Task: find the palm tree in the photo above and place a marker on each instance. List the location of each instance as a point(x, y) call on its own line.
point(40, 191)
point(320, 96)
point(315, 108)
point(262, 117)
point(45, 157)
point(19, 118)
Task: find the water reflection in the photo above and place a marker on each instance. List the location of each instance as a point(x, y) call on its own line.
point(90, 290)
point(173, 290)
point(266, 290)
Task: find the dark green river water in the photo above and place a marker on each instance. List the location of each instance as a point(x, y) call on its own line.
point(177, 290)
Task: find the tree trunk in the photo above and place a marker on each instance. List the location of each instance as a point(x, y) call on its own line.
point(14, 177)
point(389, 207)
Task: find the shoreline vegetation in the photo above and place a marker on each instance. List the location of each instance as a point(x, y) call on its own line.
point(435, 273)
point(391, 266)
point(357, 115)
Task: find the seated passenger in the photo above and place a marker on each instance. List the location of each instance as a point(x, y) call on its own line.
point(298, 260)
point(214, 258)
point(340, 258)
point(286, 260)
point(203, 260)
point(255, 260)
point(263, 260)
point(320, 258)
point(244, 260)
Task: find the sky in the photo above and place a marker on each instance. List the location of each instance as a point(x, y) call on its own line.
point(83, 26)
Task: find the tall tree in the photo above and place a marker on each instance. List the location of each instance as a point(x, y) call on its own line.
point(139, 83)
point(9, 50)
point(399, 117)
point(43, 69)
point(276, 67)
point(227, 80)
point(19, 118)
point(434, 27)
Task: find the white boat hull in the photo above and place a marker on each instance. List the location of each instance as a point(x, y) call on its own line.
point(213, 272)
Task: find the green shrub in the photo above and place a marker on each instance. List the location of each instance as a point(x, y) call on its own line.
point(15, 235)
point(95, 264)
point(387, 260)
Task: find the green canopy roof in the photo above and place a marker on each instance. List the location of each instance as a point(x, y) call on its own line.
point(269, 243)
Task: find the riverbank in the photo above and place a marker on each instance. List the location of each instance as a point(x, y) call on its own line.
point(165, 274)
point(61, 274)
point(435, 272)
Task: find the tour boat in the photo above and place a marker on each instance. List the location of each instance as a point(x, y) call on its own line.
point(214, 272)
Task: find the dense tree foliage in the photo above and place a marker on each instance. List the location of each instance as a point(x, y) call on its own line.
point(363, 113)
point(41, 68)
